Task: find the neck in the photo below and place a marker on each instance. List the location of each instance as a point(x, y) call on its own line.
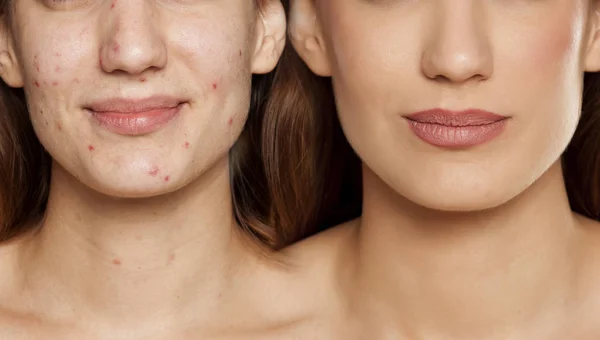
point(124, 260)
point(464, 274)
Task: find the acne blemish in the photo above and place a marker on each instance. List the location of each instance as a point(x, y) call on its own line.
point(58, 126)
point(142, 79)
point(100, 62)
point(230, 121)
point(186, 145)
point(116, 262)
point(54, 83)
point(171, 258)
point(167, 178)
point(240, 53)
point(153, 171)
point(57, 69)
point(116, 47)
point(37, 83)
point(214, 86)
point(91, 147)
point(76, 80)
point(113, 4)
point(57, 54)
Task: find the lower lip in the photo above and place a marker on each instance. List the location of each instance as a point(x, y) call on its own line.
point(456, 136)
point(138, 123)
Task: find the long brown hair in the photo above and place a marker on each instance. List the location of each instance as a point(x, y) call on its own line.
point(277, 193)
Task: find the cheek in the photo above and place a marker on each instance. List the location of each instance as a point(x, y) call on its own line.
point(55, 59)
point(53, 69)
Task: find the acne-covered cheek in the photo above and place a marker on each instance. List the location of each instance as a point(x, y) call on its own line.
point(51, 71)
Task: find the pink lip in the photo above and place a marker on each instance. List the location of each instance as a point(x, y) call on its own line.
point(453, 129)
point(135, 117)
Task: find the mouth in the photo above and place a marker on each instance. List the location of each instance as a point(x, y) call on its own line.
point(135, 117)
point(456, 129)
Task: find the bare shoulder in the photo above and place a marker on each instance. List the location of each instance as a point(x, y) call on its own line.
point(325, 246)
point(299, 297)
point(15, 322)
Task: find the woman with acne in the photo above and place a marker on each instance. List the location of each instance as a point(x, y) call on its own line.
point(478, 127)
point(116, 175)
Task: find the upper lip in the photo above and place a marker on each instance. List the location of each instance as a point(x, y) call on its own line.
point(469, 117)
point(130, 105)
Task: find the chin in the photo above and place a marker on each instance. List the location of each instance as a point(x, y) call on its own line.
point(122, 184)
point(457, 199)
point(133, 190)
point(467, 203)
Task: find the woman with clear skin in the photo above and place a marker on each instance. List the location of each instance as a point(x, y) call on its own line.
point(134, 233)
point(476, 223)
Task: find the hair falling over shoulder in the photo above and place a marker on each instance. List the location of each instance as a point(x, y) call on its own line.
point(288, 168)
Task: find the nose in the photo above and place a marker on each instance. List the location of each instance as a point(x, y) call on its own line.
point(133, 42)
point(458, 49)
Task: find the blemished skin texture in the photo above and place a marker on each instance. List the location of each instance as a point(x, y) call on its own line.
point(139, 240)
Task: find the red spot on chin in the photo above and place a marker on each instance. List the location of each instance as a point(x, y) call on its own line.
point(112, 5)
point(214, 86)
point(54, 83)
point(167, 178)
point(142, 79)
point(153, 171)
point(91, 148)
point(230, 121)
point(37, 83)
point(116, 262)
point(187, 145)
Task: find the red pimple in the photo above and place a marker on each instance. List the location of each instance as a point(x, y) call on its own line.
point(57, 54)
point(58, 126)
point(57, 69)
point(112, 5)
point(116, 262)
point(240, 53)
point(167, 178)
point(142, 79)
point(187, 145)
point(37, 83)
point(54, 83)
point(214, 86)
point(153, 171)
point(91, 148)
point(230, 121)
point(116, 47)
point(76, 80)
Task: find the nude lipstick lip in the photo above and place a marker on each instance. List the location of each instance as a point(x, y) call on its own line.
point(456, 129)
point(134, 117)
